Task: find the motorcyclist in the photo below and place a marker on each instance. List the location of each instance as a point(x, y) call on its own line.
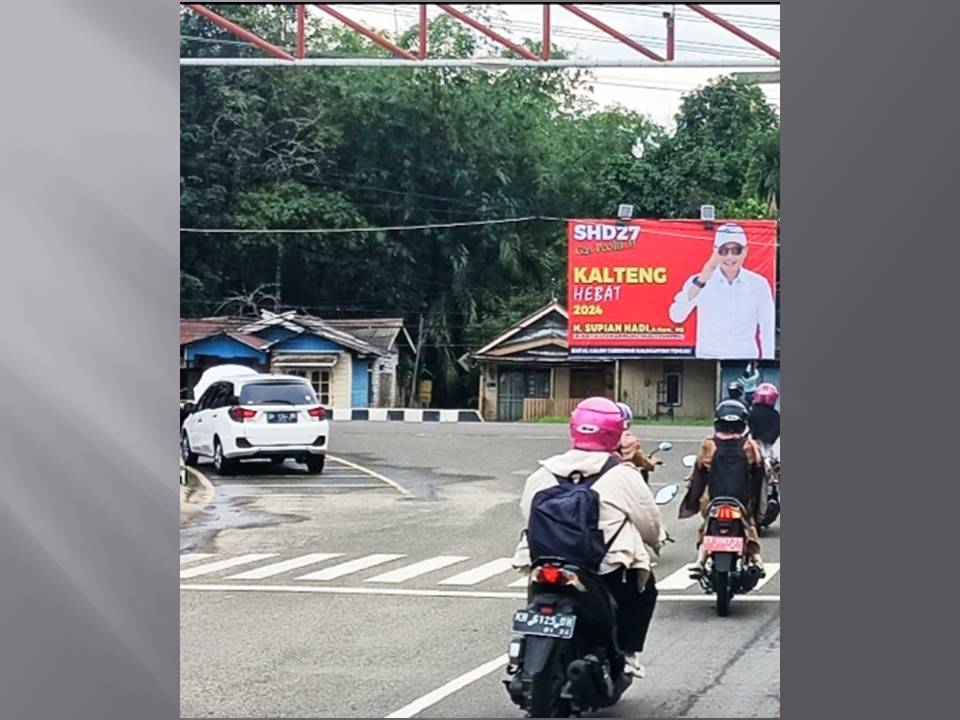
point(735, 391)
point(729, 464)
point(630, 449)
point(749, 381)
point(596, 429)
point(764, 418)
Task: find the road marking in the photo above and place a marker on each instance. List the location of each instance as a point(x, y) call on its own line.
point(479, 594)
point(479, 574)
point(417, 569)
point(772, 569)
point(522, 582)
point(223, 564)
point(298, 486)
point(679, 580)
point(282, 567)
point(392, 483)
point(331, 573)
point(435, 696)
point(191, 557)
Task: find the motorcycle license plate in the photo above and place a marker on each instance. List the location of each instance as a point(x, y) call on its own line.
point(533, 623)
point(281, 417)
point(718, 543)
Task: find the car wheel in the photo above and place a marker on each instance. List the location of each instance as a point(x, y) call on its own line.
point(315, 463)
point(223, 465)
point(189, 457)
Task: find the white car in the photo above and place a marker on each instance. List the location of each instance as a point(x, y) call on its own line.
point(253, 415)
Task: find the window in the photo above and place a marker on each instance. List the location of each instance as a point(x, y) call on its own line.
point(320, 380)
point(673, 378)
point(269, 393)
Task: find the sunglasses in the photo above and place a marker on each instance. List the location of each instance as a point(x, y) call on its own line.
point(730, 250)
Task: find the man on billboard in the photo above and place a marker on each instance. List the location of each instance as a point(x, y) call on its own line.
point(732, 303)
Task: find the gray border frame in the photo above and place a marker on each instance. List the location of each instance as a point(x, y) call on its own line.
point(89, 604)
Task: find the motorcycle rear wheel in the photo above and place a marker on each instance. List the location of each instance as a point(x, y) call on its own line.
point(546, 685)
point(721, 584)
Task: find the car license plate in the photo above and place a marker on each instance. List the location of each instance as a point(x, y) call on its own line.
point(532, 623)
point(718, 543)
point(281, 417)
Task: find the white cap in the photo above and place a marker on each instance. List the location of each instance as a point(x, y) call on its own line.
point(730, 233)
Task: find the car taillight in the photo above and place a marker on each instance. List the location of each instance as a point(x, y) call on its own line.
point(239, 414)
point(727, 512)
point(318, 412)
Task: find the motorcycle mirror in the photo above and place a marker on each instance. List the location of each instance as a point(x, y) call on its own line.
point(689, 460)
point(666, 494)
point(664, 446)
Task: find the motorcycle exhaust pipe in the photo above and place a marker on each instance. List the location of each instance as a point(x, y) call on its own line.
point(753, 572)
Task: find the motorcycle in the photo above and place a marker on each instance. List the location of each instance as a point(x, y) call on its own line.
point(726, 571)
point(772, 511)
point(563, 658)
point(662, 447)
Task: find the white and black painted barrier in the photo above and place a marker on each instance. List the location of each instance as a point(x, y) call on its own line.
point(418, 415)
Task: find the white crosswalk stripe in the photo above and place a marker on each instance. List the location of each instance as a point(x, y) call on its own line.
point(351, 566)
point(417, 569)
point(771, 570)
point(679, 580)
point(213, 567)
point(487, 572)
point(479, 574)
point(282, 567)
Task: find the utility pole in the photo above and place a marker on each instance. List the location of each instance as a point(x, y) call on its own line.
point(416, 363)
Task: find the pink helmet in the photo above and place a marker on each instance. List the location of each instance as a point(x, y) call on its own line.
point(766, 394)
point(596, 424)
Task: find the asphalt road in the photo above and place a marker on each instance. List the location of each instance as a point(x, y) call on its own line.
point(408, 593)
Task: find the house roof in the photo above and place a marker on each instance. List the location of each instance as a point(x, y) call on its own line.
point(380, 332)
point(307, 323)
point(523, 341)
point(198, 328)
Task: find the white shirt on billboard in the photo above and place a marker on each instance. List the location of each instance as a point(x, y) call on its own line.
point(728, 314)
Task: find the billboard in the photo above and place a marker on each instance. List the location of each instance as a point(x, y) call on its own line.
point(672, 288)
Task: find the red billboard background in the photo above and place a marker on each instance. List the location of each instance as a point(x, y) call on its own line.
point(623, 278)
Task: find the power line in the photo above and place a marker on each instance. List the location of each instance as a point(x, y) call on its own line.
point(331, 231)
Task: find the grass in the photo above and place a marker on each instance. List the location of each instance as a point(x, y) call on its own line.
point(696, 422)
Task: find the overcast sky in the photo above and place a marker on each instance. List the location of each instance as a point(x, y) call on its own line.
point(656, 91)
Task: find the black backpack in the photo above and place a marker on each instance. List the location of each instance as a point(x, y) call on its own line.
point(563, 522)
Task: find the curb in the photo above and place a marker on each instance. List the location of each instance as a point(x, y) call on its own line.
point(417, 415)
point(191, 506)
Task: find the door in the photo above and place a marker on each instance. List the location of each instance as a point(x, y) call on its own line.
point(510, 395)
point(202, 421)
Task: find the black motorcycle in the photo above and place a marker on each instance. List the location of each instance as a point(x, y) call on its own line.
point(772, 511)
point(564, 657)
point(726, 571)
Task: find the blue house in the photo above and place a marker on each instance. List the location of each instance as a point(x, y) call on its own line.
point(343, 369)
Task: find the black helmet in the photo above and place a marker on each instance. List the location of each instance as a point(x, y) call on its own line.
point(730, 417)
point(735, 390)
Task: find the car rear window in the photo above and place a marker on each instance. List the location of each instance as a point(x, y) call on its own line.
point(268, 393)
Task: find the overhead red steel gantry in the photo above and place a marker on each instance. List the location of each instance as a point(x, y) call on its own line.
point(279, 56)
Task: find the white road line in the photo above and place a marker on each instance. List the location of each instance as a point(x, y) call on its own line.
point(679, 580)
point(417, 569)
point(282, 567)
point(192, 557)
point(298, 486)
point(432, 698)
point(334, 590)
point(522, 582)
point(331, 573)
point(772, 569)
point(479, 574)
point(392, 483)
point(223, 564)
